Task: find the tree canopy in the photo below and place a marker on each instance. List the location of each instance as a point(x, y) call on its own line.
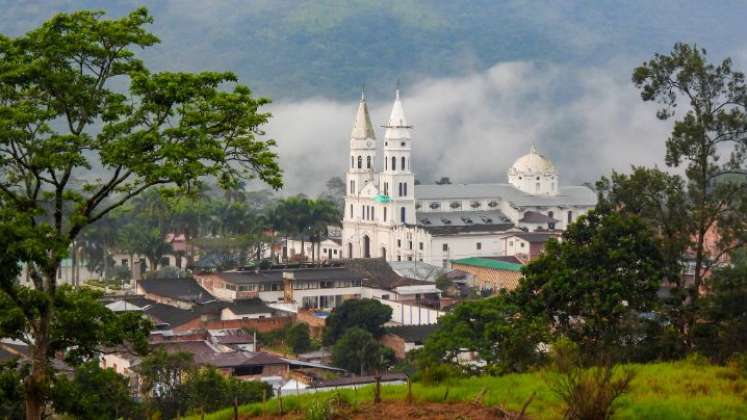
point(84, 128)
point(366, 314)
point(606, 268)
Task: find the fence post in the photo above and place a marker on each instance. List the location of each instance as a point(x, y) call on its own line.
point(377, 390)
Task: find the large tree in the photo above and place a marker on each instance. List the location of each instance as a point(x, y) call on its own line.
point(358, 351)
point(84, 128)
point(603, 273)
point(709, 141)
point(366, 314)
point(495, 329)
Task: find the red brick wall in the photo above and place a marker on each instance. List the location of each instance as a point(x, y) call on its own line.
point(259, 324)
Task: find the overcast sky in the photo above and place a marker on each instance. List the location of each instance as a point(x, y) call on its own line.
point(583, 113)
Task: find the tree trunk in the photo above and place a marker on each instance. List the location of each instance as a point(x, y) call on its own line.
point(303, 250)
point(153, 264)
point(36, 384)
point(74, 265)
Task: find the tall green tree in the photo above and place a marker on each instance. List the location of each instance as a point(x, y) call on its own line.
point(322, 214)
point(366, 314)
point(605, 271)
point(709, 141)
point(163, 381)
point(722, 328)
point(358, 351)
point(93, 393)
point(73, 94)
point(495, 329)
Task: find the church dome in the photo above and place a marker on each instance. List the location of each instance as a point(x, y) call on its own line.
point(532, 163)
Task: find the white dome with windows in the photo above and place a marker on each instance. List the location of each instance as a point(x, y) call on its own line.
point(534, 174)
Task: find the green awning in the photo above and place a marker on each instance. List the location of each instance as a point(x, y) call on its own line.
point(383, 199)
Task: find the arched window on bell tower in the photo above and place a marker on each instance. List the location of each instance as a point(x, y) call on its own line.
point(368, 162)
point(360, 162)
point(394, 163)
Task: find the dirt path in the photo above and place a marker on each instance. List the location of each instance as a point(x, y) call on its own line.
point(391, 410)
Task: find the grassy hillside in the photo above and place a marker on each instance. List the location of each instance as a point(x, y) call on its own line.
point(682, 390)
point(299, 48)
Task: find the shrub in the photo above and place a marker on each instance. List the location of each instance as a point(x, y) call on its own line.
point(588, 394)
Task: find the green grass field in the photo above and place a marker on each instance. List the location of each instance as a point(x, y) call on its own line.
point(681, 390)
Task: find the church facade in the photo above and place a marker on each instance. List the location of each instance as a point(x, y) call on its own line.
point(387, 215)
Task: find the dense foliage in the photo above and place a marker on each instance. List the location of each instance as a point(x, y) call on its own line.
point(366, 314)
point(74, 95)
point(593, 284)
point(93, 393)
point(358, 351)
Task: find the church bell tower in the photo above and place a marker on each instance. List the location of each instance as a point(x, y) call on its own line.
point(397, 181)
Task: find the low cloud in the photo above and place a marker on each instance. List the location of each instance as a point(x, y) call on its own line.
point(472, 128)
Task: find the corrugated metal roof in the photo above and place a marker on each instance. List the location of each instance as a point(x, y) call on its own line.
point(488, 263)
point(567, 196)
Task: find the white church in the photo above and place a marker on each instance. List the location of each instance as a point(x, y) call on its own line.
point(387, 215)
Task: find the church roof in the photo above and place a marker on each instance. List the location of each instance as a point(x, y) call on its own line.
point(397, 127)
point(532, 163)
point(567, 196)
point(397, 117)
point(453, 222)
point(537, 217)
point(362, 128)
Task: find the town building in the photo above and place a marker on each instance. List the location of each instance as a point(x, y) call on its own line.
point(490, 274)
point(387, 216)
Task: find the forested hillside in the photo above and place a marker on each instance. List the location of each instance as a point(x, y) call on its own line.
point(301, 48)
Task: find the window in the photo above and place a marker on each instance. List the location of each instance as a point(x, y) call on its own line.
point(410, 244)
point(404, 186)
point(363, 212)
point(537, 187)
point(402, 163)
point(409, 258)
point(521, 244)
point(352, 187)
point(386, 188)
point(385, 214)
point(445, 247)
point(386, 164)
point(124, 262)
point(478, 246)
point(360, 162)
point(399, 189)
point(399, 258)
point(402, 214)
point(368, 162)
point(550, 225)
point(399, 243)
point(420, 245)
point(351, 211)
point(394, 163)
point(373, 213)
point(570, 217)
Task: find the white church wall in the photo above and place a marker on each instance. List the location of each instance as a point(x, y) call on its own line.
point(407, 314)
point(465, 246)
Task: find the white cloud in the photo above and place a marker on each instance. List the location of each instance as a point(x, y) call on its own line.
point(472, 128)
